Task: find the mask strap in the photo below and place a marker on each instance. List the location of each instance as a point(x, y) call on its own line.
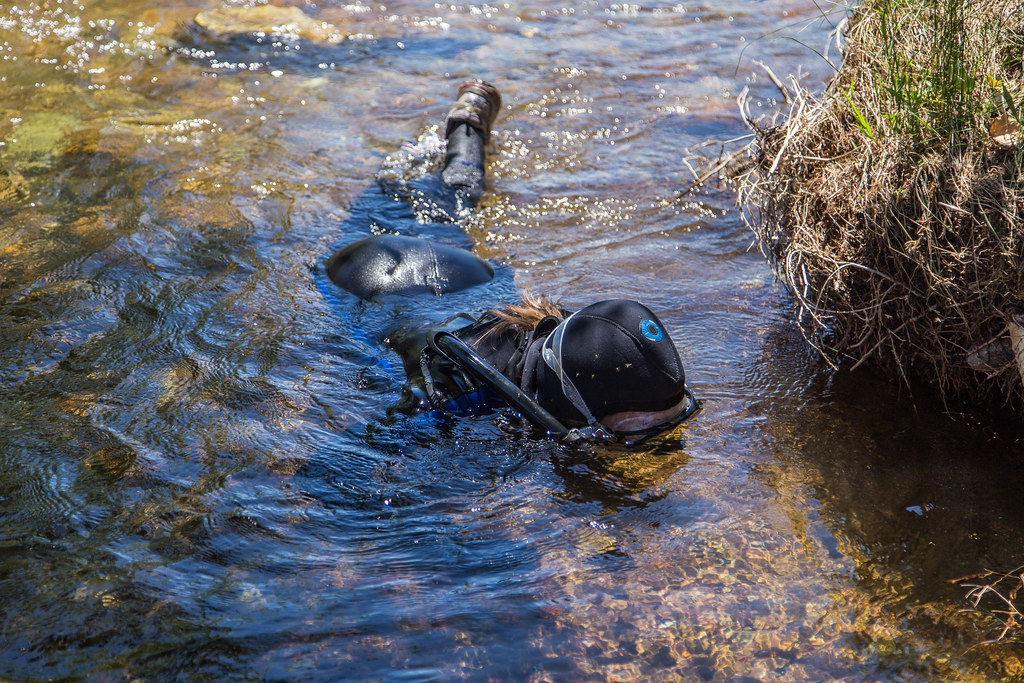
point(553, 359)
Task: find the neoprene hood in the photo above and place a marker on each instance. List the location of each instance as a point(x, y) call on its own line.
point(613, 356)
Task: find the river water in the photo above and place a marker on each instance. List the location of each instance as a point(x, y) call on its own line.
point(199, 475)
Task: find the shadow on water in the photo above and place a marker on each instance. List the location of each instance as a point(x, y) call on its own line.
point(918, 497)
point(957, 504)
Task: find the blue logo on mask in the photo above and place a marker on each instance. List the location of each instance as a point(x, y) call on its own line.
point(650, 329)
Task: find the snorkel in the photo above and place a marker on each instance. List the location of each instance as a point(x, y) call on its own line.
point(458, 352)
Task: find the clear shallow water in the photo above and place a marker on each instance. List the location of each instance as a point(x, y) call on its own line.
point(198, 476)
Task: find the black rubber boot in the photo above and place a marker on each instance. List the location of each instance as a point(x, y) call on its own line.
point(476, 104)
point(467, 129)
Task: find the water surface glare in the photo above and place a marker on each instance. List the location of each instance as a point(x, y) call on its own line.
point(199, 477)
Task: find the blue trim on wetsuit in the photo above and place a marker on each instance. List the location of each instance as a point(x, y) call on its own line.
point(482, 401)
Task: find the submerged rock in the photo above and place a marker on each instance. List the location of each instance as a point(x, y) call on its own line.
point(37, 138)
point(269, 20)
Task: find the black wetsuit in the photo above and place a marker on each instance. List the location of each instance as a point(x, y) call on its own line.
point(616, 357)
point(398, 264)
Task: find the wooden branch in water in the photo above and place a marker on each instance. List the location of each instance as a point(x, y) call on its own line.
point(714, 170)
point(775, 79)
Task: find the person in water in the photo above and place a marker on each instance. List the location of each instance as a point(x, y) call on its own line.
point(609, 369)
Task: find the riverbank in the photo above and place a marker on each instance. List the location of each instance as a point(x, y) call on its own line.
point(892, 205)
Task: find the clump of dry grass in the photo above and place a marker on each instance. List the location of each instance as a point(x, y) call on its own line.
point(888, 207)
